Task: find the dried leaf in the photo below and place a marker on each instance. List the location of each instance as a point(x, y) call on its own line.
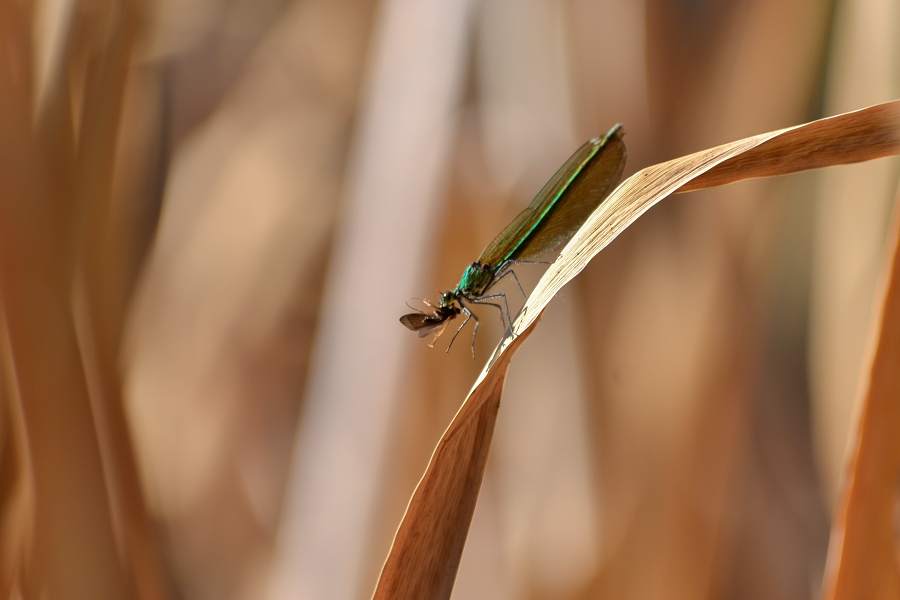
point(862, 561)
point(427, 548)
point(426, 551)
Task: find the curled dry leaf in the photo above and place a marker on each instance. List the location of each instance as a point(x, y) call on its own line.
point(425, 556)
point(862, 560)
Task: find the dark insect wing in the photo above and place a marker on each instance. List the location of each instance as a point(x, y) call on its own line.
point(415, 321)
point(509, 239)
point(426, 324)
point(431, 327)
point(435, 332)
point(571, 195)
point(423, 324)
point(586, 192)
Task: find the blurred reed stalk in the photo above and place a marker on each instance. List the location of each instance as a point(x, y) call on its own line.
point(64, 286)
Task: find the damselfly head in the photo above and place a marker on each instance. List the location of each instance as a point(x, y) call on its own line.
point(447, 302)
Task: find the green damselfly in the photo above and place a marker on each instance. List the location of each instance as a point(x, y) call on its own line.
point(552, 218)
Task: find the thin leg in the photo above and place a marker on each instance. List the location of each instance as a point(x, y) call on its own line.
point(509, 264)
point(469, 315)
point(477, 323)
point(505, 273)
point(481, 300)
point(474, 333)
point(477, 300)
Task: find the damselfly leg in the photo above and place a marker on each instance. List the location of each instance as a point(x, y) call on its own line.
point(482, 300)
point(469, 315)
point(507, 269)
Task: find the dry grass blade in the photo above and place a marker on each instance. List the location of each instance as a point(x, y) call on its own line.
point(429, 543)
point(862, 560)
point(852, 137)
point(428, 546)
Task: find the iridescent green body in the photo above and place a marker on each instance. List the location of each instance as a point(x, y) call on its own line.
point(550, 220)
point(475, 280)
